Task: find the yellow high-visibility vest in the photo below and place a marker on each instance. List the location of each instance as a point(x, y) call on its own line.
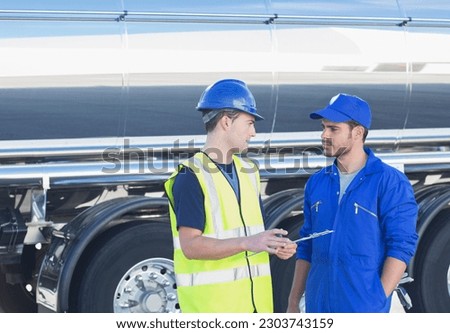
point(238, 283)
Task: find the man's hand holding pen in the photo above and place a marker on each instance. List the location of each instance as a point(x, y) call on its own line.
point(273, 242)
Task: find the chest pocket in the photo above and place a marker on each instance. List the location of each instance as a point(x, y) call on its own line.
point(363, 231)
point(360, 209)
point(321, 216)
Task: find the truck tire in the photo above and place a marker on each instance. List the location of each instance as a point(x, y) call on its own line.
point(283, 270)
point(434, 278)
point(15, 298)
point(128, 269)
point(430, 291)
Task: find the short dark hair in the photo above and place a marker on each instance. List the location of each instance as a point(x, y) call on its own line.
point(210, 125)
point(353, 124)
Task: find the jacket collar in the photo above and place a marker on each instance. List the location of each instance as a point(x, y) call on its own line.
point(373, 164)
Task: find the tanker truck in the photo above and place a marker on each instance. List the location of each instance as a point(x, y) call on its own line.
point(97, 107)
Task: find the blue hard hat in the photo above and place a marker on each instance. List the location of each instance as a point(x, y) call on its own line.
point(228, 94)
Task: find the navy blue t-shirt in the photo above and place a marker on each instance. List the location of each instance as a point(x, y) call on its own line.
point(189, 198)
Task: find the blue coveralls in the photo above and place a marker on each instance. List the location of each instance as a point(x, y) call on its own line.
point(376, 218)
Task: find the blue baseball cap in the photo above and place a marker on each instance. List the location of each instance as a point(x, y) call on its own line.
point(344, 107)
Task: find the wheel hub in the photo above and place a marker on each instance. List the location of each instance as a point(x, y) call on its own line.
point(148, 287)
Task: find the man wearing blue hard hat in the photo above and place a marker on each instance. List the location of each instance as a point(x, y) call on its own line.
point(221, 249)
point(371, 209)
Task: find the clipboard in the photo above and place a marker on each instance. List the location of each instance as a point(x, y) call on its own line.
point(313, 235)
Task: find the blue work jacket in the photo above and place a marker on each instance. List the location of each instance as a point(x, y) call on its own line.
point(375, 219)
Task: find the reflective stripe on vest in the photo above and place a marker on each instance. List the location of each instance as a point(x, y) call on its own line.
point(221, 276)
point(241, 232)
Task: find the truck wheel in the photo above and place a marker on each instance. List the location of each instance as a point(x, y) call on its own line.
point(435, 272)
point(130, 269)
point(283, 270)
point(15, 298)
point(430, 291)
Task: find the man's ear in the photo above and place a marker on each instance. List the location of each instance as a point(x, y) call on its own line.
point(225, 122)
point(359, 131)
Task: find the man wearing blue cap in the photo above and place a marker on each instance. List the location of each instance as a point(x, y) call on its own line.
point(370, 207)
point(221, 249)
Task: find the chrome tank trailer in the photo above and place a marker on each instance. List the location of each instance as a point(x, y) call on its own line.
point(97, 101)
